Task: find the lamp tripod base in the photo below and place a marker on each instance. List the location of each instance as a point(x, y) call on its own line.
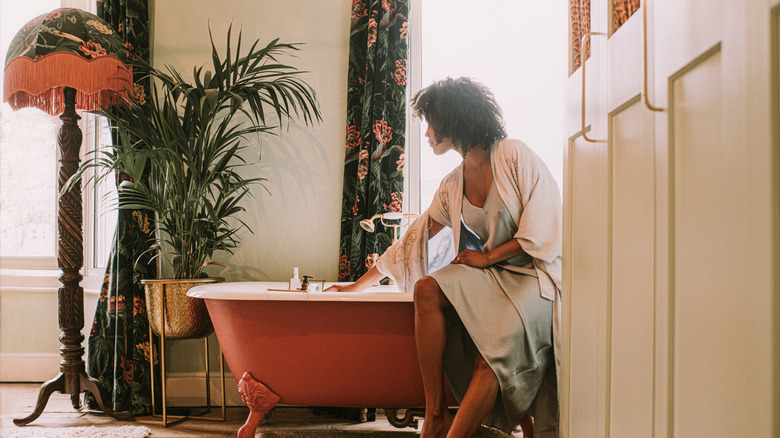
point(86, 383)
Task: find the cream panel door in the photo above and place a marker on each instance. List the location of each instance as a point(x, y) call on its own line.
point(720, 287)
point(584, 381)
point(583, 387)
point(706, 279)
point(632, 287)
point(586, 296)
point(631, 291)
point(673, 328)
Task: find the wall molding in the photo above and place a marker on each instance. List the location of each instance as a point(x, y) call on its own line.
point(184, 389)
point(28, 367)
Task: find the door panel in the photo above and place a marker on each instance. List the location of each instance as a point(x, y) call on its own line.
point(720, 180)
point(631, 234)
point(703, 275)
point(720, 256)
point(631, 291)
point(586, 346)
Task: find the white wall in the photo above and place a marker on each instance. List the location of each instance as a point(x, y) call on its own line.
point(297, 224)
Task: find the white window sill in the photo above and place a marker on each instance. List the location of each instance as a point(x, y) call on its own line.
point(44, 281)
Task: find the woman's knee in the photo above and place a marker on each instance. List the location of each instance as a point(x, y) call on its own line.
point(428, 294)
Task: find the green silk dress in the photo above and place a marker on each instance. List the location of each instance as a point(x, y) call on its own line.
point(499, 312)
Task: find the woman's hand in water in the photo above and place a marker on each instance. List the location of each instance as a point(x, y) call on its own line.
point(349, 287)
point(470, 257)
point(371, 277)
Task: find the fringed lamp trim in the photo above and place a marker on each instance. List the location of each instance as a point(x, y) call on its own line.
point(99, 82)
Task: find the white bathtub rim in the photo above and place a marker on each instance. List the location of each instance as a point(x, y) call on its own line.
point(259, 291)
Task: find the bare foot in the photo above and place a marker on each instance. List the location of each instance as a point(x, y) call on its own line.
point(437, 426)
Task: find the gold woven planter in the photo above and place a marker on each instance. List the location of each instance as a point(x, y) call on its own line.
point(185, 317)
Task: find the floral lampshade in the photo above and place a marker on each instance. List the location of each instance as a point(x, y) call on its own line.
point(67, 47)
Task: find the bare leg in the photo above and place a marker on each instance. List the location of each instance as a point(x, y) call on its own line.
point(478, 401)
point(431, 339)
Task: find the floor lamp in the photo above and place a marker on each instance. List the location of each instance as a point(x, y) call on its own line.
point(59, 62)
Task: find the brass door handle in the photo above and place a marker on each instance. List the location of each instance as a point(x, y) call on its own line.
point(646, 96)
point(582, 47)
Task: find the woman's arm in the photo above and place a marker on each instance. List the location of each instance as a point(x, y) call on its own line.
point(433, 227)
point(481, 259)
point(374, 275)
point(369, 278)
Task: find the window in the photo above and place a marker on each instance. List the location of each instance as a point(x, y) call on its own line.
point(28, 173)
point(517, 49)
point(99, 199)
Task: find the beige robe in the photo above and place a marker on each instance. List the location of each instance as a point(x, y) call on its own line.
point(531, 194)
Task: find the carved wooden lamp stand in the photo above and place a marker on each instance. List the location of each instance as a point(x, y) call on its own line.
point(65, 60)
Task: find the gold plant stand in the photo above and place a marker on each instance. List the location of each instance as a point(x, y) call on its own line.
point(174, 315)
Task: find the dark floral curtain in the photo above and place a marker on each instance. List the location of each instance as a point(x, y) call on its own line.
point(376, 127)
point(118, 353)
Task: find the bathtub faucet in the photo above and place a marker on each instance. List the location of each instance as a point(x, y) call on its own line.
point(402, 218)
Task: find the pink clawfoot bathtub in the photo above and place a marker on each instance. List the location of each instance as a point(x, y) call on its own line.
point(316, 349)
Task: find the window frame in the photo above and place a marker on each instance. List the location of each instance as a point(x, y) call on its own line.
point(94, 265)
point(412, 169)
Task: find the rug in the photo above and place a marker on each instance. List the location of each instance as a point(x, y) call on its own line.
point(9, 430)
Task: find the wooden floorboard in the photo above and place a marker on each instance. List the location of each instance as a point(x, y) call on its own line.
point(17, 400)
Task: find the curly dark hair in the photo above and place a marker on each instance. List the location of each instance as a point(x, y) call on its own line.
point(463, 110)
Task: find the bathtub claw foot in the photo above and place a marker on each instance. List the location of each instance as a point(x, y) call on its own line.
point(259, 399)
point(407, 420)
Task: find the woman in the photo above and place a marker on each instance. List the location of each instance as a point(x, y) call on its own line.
point(486, 319)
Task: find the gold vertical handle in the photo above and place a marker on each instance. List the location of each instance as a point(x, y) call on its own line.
point(646, 96)
point(582, 47)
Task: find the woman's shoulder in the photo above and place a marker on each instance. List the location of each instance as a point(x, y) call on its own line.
point(512, 145)
point(514, 150)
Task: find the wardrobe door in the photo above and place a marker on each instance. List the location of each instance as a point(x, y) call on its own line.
point(631, 288)
point(585, 299)
point(671, 228)
point(712, 77)
point(583, 380)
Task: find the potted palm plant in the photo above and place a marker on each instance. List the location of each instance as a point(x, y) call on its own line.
point(180, 150)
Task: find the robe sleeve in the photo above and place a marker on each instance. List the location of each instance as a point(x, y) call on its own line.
point(539, 227)
point(520, 172)
point(406, 261)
